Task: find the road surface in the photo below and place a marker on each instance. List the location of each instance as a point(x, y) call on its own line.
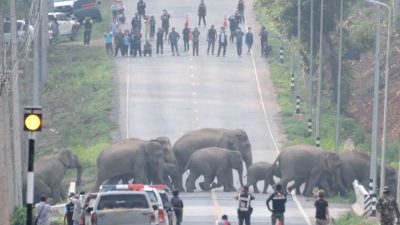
point(169, 95)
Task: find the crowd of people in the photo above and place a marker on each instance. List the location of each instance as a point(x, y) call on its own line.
point(129, 42)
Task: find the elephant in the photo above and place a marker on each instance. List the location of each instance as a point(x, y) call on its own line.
point(131, 156)
point(261, 171)
point(50, 171)
point(355, 165)
point(305, 162)
point(213, 162)
point(231, 139)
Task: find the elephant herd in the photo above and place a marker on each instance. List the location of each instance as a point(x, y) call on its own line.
point(211, 153)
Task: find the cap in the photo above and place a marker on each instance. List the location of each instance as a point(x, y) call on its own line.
point(386, 189)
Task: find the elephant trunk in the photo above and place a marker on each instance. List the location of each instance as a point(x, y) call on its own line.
point(248, 159)
point(240, 172)
point(79, 169)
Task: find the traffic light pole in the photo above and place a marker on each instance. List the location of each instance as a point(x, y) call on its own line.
point(30, 177)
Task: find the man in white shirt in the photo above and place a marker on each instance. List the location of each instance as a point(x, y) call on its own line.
point(42, 210)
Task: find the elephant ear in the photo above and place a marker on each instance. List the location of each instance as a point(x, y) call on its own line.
point(154, 147)
point(65, 157)
point(235, 158)
point(331, 160)
point(233, 144)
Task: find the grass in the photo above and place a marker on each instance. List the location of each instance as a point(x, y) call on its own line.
point(352, 219)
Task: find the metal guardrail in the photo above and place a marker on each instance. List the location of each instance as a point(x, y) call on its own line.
point(363, 204)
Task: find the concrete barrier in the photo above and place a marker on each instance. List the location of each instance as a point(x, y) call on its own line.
point(363, 205)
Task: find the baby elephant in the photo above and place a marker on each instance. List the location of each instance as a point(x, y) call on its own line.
point(213, 162)
point(261, 171)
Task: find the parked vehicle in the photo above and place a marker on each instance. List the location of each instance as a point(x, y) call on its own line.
point(87, 8)
point(158, 198)
point(21, 30)
point(67, 25)
point(64, 6)
point(123, 207)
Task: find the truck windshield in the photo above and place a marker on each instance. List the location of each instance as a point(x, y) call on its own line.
point(109, 202)
point(152, 196)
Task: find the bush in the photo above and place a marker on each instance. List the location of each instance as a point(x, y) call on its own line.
point(19, 216)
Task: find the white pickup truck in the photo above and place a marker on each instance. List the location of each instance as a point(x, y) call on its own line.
point(123, 208)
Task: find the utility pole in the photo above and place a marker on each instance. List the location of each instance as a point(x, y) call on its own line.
point(310, 70)
point(321, 31)
point(296, 88)
point(396, 12)
point(16, 118)
point(45, 38)
point(4, 210)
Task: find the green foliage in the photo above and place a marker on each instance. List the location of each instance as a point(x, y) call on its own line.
point(19, 216)
point(352, 219)
point(349, 198)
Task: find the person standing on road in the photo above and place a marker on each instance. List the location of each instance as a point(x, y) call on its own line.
point(240, 8)
point(264, 41)
point(136, 22)
point(126, 41)
point(222, 42)
point(108, 38)
point(146, 27)
point(141, 8)
point(69, 211)
point(211, 38)
point(249, 40)
point(321, 209)
point(233, 25)
point(186, 34)
point(223, 221)
point(77, 209)
point(201, 11)
point(87, 25)
point(177, 206)
point(387, 208)
point(196, 40)
point(165, 22)
point(278, 205)
point(136, 43)
point(152, 23)
point(244, 210)
point(173, 39)
point(42, 210)
point(119, 42)
point(160, 40)
point(239, 41)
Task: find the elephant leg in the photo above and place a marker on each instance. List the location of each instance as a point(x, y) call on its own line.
point(211, 184)
point(255, 188)
point(209, 177)
point(41, 188)
point(99, 181)
point(284, 182)
point(296, 185)
point(228, 180)
point(190, 181)
point(57, 193)
point(312, 182)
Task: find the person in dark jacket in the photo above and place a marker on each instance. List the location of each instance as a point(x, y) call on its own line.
point(186, 34)
point(160, 40)
point(147, 49)
point(152, 22)
point(177, 205)
point(239, 41)
point(240, 8)
point(141, 8)
point(196, 40)
point(165, 22)
point(278, 205)
point(136, 23)
point(126, 41)
point(249, 40)
point(119, 42)
point(222, 41)
point(69, 211)
point(87, 25)
point(244, 209)
point(136, 43)
point(233, 25)
point(201, 11)
point(173, 39)
point(211, 38)
point(263, 41)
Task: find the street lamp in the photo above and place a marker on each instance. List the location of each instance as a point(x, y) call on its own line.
point(339, 78)
point(383, 157)
point(321, 29)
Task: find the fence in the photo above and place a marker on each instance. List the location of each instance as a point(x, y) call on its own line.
point(363, 204)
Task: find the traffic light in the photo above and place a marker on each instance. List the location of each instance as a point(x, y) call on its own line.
point(33, 119)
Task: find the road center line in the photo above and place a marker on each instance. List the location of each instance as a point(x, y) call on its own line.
point(217, 210)
point(270, 130)
point(127, 98)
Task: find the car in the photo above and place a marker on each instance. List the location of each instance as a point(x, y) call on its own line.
point(87, 8)
point(64, 6)
point(67, 25)
point(123, 207)
point(158, 198)
point(21, 30)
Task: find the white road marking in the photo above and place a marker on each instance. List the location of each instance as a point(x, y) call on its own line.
point(127, 98)
point(194, 93)
point(270, 130)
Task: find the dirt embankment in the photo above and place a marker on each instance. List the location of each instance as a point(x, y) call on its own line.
point(362, 90)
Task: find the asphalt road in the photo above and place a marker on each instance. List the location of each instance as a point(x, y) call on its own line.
point(169, 95)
